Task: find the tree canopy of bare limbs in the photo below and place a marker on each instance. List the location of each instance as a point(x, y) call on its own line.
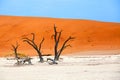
point(57, 36)
point(32, 43)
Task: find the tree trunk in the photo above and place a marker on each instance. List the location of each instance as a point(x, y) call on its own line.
point(40, 56)
point(56, 58)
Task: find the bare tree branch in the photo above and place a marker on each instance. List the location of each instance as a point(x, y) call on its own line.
point(25, 38)
point(67, 46)
point(31, 44)
point(41, 44)
point(64, 45)
point(33, 38)
point(55, 35)
point(59, 36)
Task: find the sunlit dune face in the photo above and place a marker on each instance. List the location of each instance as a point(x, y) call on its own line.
point(89, 35)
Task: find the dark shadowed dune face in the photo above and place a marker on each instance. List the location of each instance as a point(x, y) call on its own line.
point(89, 35)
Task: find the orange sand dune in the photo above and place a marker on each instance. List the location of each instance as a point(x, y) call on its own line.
point(89, 35)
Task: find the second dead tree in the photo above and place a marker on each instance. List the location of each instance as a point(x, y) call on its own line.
point(34, 45)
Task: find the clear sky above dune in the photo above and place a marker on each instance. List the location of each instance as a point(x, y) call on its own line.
point(102, 10)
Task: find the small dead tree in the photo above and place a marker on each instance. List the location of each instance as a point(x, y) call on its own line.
point(15, 49)
point(57, 36)
point(32, 43)
point(19, 57)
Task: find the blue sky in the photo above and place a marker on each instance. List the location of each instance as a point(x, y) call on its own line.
point(102, 10)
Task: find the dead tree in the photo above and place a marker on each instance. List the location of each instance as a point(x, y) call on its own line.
point(32, 43)
point(15, 49)
point(57, 36)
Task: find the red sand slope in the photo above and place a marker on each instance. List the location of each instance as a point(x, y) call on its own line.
point(90, 35)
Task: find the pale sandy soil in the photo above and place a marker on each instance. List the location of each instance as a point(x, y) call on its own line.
point(84, 67)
